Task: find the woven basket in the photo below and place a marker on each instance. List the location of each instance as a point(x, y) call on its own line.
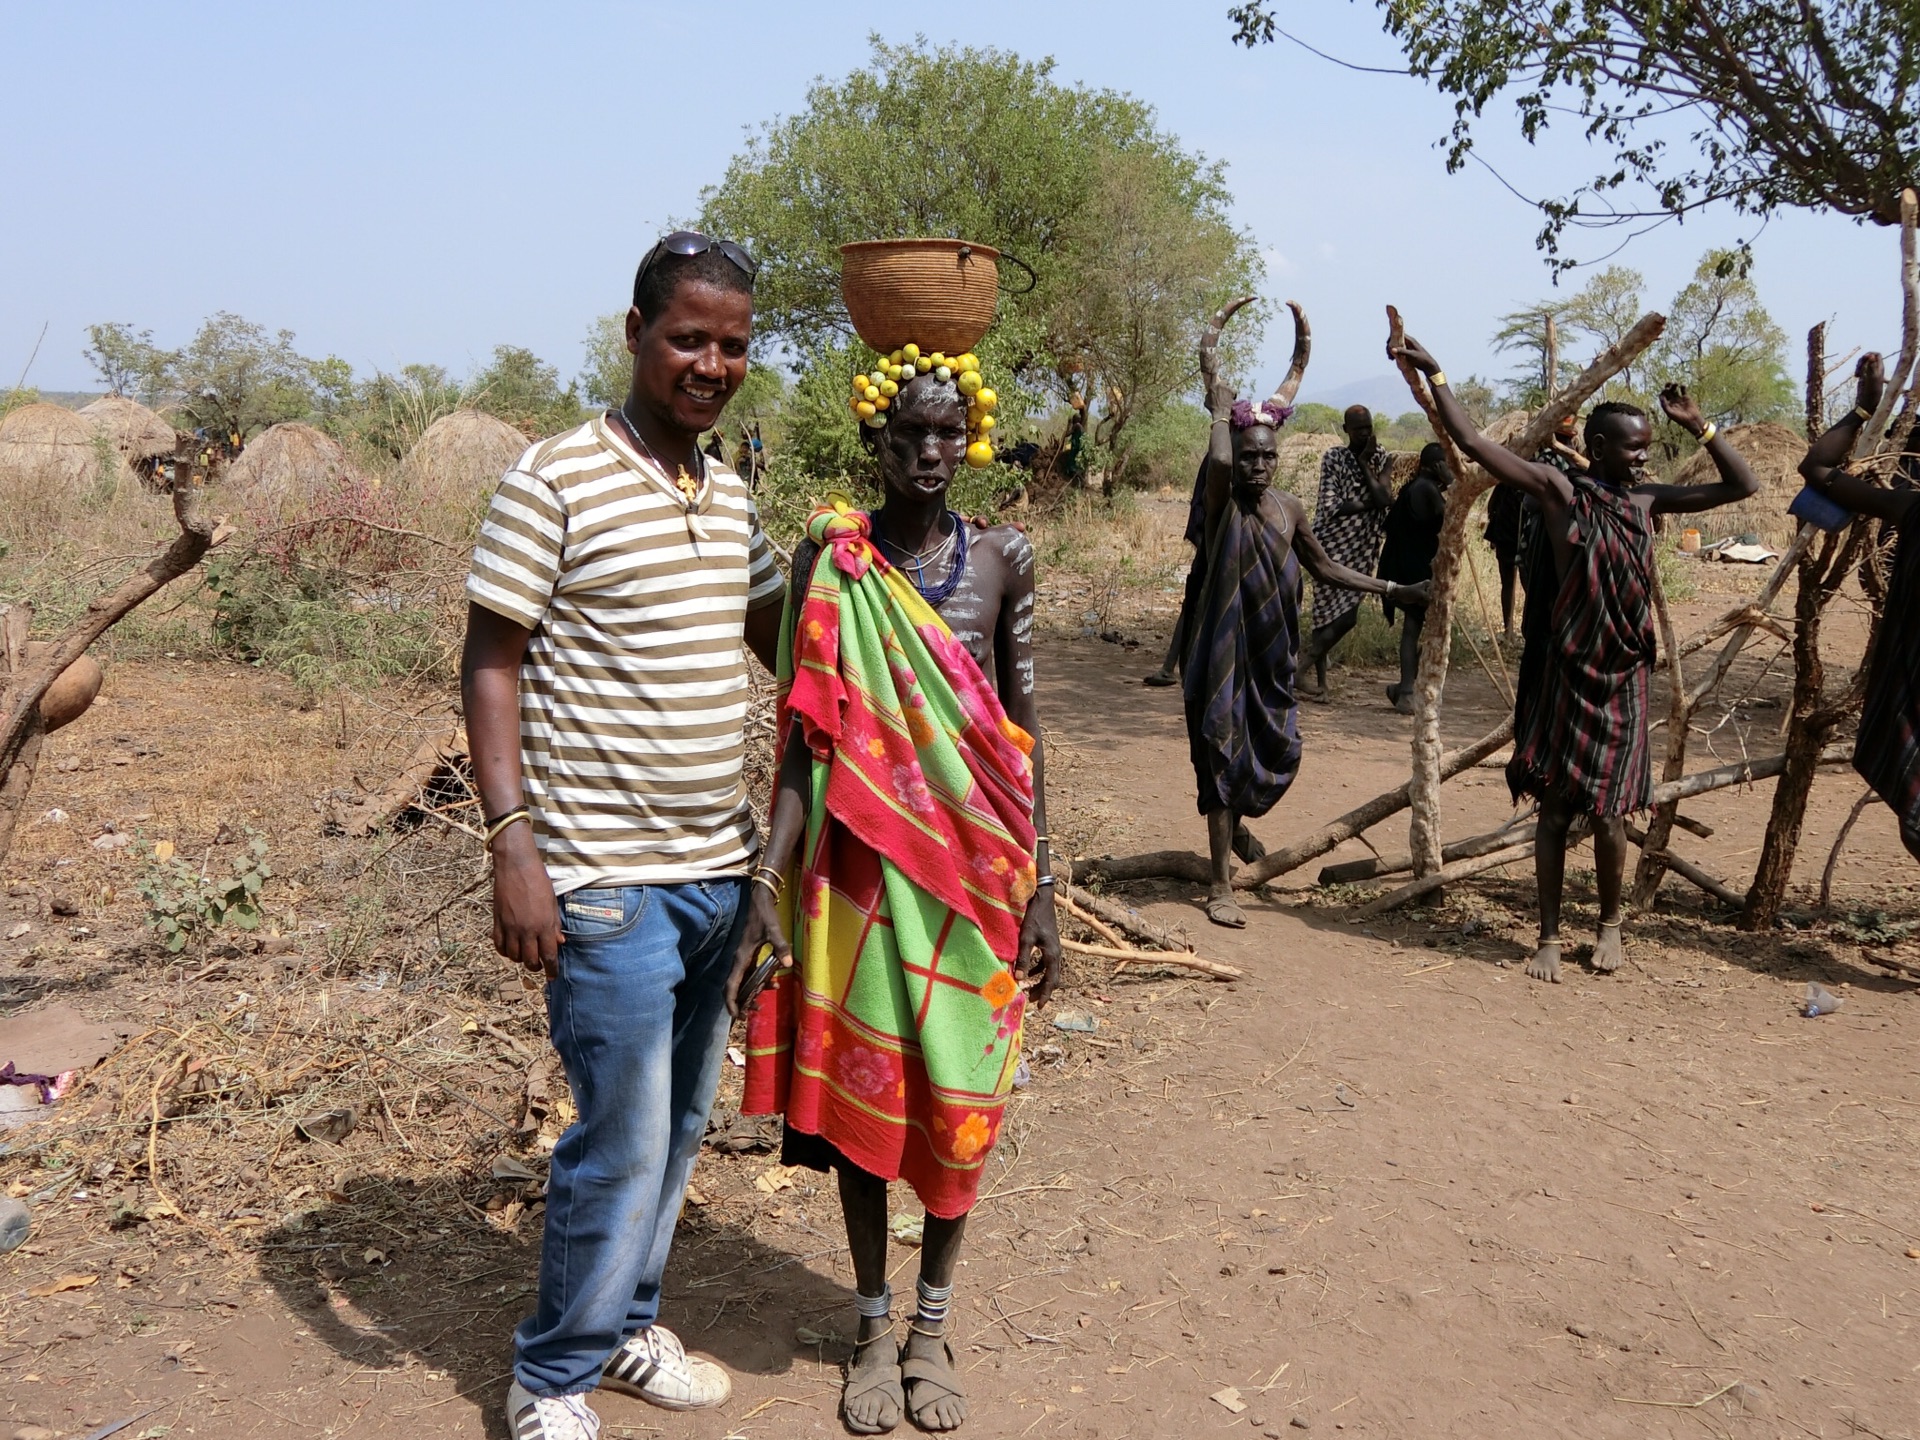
point(939, 294)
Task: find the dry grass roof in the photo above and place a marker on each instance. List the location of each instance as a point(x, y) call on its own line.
point(287, 464)
point(1774, 452)
point(50, 444)
point(461, 456)
point(137, 432)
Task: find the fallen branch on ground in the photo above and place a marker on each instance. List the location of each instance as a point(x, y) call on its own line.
point(1739, 773)
point(1179, 959)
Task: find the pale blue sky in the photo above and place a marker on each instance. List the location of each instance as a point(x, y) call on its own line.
point(421, 181)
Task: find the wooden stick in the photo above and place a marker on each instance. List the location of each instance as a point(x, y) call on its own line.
point(1091, 921)
point(1696, 784)
point(1839, 842)
point(1446, 875)
point(1376, 866)
point(1121, 918)
point(1725, 894)
point(1179, 959)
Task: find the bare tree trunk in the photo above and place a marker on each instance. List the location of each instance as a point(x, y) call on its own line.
point(1812, 720)
point(1552, 378)
point(1816, 381)
point(20, 721)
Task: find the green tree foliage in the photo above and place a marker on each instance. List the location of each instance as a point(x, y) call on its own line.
point(1719, 342)
point(525, 391)
point(128, 362)
point(234, 377)
point(1763, 104)
point(983, 145)
point(1149, 258)
point(390, 412)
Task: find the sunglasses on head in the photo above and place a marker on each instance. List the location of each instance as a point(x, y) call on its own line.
point(692, 242)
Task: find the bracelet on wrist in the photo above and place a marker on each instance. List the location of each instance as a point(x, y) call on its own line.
point(1860, 413)
point(1706, 435)
point(768, 882)
point(1045, 882)
point(1437, 379)
point(496, 826)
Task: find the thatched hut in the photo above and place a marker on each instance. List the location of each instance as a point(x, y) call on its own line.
point(1775, 453)
point(450, 474)
point(287, 466)
point(44, 445)
point(139, 436)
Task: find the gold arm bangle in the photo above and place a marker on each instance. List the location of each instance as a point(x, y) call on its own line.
point(771, 887)
point(512, 817)
point(1437, 379)
point(1706, 435)
point(1860, 413)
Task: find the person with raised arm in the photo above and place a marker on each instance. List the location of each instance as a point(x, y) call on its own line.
point(1580, 745)
point(1243, 646)
point(1886, 751)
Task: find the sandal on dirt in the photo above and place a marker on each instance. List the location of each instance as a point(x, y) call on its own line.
point(1223, 910)
point(1160, 679)
point(1247, 847)
point(934, 1382)
point(884, 1380)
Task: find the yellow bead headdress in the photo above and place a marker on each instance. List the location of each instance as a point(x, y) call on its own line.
point(875, 390)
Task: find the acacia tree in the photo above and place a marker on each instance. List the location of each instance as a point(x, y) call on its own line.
point(1761, 104)
point(1720, 342)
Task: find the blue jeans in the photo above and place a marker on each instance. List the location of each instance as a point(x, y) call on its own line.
point(639, 1016)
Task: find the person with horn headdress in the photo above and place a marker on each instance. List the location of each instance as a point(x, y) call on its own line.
point(911, 795)
point(1243, 643)
point(1886, 752)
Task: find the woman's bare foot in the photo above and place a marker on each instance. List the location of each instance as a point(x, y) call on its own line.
point(1222, 909)
point(1545, 964)
point(873, 1401)
point(933, 1384)
point(1607, 950)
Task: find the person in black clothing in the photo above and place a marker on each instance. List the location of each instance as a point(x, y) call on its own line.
point(1412, 540)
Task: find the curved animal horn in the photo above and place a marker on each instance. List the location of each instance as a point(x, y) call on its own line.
point(1302, 348)
point(1210, 346)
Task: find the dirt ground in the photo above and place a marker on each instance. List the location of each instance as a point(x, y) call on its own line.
point(1386, 1185)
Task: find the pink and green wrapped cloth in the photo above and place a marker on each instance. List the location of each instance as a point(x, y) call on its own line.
point(896, 1034)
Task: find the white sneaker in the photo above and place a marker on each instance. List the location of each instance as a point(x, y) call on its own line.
point(652, 1365)
point(549, 1417)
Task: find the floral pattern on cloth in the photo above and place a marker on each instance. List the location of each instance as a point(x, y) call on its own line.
point(896, 1034)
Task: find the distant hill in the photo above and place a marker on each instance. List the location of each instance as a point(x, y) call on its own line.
point(1385, 394)
point(72, 399)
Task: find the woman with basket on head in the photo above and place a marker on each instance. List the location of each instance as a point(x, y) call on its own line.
point(907, 854)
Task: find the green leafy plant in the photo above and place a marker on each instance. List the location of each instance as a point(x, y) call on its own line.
point(187, 906)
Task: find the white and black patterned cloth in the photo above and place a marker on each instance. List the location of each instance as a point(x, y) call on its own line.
point(1349, 540)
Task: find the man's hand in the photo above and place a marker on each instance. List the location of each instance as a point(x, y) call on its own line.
point(1871, 376)
point(1040, 932)
point(526, 917)
point(1415, 354)
point(1683, 409)
point(1405, 595)
point(763, 929)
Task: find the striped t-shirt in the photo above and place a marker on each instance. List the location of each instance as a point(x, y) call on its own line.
point(634, 690)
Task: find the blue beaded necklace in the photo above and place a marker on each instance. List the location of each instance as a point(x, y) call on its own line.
point(942, 592)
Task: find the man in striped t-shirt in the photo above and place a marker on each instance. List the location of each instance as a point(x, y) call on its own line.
point(619, 579)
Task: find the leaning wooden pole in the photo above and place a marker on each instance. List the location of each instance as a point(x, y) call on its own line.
point(1424, 785)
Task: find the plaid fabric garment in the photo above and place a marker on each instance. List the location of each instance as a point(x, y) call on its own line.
point(1887, 749)
point(1584, 734)
point(1349, 540)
